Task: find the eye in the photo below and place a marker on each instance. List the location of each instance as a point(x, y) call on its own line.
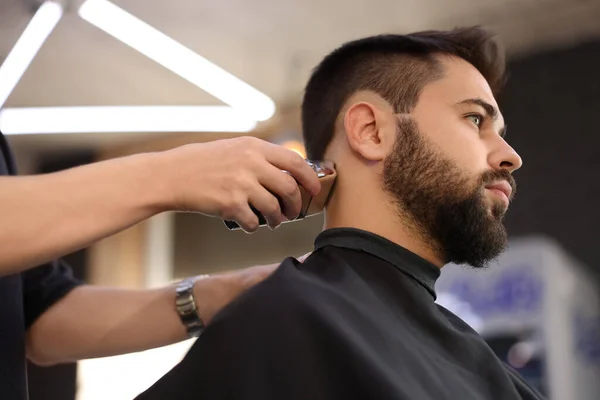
point(477, 119)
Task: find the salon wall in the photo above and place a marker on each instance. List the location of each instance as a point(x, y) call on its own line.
point(551, 105)
point(205, 245)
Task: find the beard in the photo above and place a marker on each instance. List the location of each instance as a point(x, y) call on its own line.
point(440, 204)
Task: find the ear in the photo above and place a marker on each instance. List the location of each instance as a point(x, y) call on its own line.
point(371, 132)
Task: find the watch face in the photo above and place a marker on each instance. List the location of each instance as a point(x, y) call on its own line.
point(184, 286)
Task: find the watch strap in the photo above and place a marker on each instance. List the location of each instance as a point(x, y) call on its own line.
point(185, 303)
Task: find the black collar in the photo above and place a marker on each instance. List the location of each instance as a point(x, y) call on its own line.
point(421, 270)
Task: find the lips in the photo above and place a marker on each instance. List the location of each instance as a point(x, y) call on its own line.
point(503, 187)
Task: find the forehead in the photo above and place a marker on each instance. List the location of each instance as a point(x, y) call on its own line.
point(461, 81)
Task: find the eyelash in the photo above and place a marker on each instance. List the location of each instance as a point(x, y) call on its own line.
point(481, 119)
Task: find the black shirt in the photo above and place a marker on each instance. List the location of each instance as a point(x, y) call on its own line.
point(356, 320)
point(23, 298)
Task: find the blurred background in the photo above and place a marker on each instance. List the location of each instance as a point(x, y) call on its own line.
point(84, 81)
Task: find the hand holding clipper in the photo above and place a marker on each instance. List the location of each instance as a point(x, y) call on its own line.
point(311, 205)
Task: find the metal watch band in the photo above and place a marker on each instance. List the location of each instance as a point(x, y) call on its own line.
point(186, 306)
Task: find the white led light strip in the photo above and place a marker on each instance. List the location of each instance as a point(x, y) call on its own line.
point(248, 105)
point(177, 58)
point(46, 120)
point(27, 46)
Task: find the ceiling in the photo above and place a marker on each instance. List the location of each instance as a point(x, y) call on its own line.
point(270, 44)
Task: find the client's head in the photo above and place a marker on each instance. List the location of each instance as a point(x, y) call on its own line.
point(414, 128)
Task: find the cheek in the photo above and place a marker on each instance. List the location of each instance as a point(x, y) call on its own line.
point(469, 155)
point(459, 142)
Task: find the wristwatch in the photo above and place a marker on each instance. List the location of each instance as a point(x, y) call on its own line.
point(185, 303)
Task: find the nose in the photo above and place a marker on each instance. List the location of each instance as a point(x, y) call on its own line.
point(505, 157)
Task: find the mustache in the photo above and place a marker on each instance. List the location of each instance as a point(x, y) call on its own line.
point(492, 176)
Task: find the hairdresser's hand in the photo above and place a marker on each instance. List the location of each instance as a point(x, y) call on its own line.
point(223, 178)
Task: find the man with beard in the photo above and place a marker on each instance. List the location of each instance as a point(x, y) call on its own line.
point(424, 178)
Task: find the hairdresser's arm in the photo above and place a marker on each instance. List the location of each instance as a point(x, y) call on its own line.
point(47, 216)
point(92, 322)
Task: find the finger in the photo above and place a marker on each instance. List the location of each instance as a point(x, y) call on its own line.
point(292, 162)
point(268, 206)
point(242, 213)
point(285, 188)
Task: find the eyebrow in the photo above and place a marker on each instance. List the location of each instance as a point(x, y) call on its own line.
point(489, 109)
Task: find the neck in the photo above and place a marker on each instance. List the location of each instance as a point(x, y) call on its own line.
point(375, 213)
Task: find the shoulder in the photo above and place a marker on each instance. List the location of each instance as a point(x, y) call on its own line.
point(525, 389)
point(274, 333)
point(284, 290)
point(456, 321)
point(295, 291)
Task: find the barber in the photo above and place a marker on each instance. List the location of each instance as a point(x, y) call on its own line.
point(48, 316)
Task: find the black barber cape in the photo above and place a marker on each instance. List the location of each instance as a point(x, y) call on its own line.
point(356, 320)
point(23, 298)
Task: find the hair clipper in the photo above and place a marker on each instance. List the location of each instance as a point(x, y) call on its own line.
point(311, 205)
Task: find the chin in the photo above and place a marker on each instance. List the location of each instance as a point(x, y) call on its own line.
point(497, 210)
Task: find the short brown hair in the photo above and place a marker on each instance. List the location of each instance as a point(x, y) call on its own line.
point(397, 67)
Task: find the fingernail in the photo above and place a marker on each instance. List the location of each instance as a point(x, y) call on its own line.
point(250, 232)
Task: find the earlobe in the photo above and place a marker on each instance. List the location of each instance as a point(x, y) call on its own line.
point(365, 128)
